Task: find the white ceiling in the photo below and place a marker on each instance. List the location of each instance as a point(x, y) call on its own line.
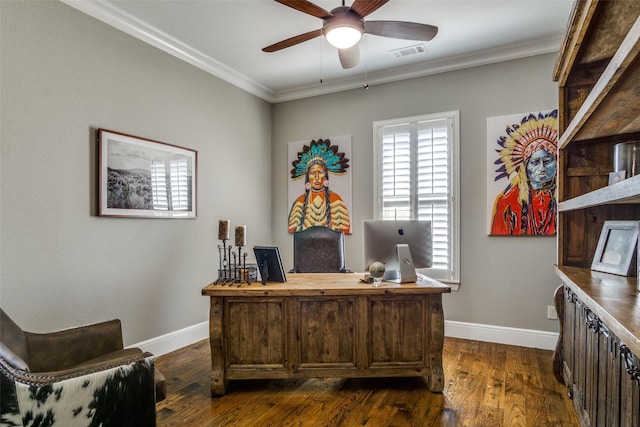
point(225, 38)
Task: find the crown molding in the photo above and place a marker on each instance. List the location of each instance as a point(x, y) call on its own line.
point(485, 57)
point(111, 15)
point(117, 18)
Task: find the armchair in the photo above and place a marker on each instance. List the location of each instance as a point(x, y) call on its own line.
point(75, 377)
point(318, 250)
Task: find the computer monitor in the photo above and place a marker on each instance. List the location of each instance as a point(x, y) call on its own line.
point(402, 245)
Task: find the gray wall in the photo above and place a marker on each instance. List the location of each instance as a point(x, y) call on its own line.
point(65, 74)
point(504, 281)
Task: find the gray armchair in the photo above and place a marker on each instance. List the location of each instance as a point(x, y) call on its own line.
point(75, 377)
point(318, 250)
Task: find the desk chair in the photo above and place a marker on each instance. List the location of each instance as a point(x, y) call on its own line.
point(318, 250)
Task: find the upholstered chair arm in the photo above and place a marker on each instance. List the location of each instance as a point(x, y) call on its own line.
point(71, 347)
point(114, 393)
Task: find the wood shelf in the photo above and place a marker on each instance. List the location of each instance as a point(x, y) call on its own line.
point(601, 114)
point(627, 191)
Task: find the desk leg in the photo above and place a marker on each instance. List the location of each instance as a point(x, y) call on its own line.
point(216, 341)
point(436, 379)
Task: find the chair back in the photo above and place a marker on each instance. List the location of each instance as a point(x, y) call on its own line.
point(13, 342)
point(318, 250)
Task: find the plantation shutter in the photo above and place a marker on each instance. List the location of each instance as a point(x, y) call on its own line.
point(179, 185)
point(415, 179)
point(170, 186)
point(159, 186)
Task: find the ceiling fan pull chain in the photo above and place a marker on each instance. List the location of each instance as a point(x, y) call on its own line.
point(321, 69)
point(366, 54)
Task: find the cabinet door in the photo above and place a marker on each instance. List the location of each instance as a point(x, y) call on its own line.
point(398, 334)
point(255, 334)
point(568, 346)
point(325, 333)
point(629, 388)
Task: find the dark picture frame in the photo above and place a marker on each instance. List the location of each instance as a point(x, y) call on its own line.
point(139, 177)
point(616, 247)
point(269, 264)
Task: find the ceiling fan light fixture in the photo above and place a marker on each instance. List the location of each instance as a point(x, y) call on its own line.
point(344, 29)
point(343, 37)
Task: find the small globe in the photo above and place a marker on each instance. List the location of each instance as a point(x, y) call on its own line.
point(376, 269)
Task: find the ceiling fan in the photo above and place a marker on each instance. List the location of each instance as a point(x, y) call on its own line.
point(344, 26)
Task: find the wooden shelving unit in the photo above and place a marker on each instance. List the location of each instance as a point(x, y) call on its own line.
point(627, 191)
point(598, 73)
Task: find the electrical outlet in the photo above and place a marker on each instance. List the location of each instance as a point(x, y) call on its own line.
point(551, 312)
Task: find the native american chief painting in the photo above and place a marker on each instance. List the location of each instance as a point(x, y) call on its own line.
point(528, 158)
point(318, 205)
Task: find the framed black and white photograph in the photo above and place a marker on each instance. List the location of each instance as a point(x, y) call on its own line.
point(616, 247)
point(139, 177)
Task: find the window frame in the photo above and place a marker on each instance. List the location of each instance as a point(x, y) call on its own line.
point(451, 275)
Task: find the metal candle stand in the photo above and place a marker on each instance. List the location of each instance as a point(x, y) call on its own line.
point(232, 273)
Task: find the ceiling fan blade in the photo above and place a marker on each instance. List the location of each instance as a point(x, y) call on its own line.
point(306, 7)
point(349, 57)
point(292, 41)
point(365, 7)
point(401, 30)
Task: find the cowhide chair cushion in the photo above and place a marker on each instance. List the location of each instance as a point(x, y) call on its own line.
point(119, 396)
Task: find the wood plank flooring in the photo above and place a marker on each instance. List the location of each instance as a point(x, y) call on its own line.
point(486, 384)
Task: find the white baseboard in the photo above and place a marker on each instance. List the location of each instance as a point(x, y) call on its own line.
point(471, 331)
point(174, 340)
point(501, 334)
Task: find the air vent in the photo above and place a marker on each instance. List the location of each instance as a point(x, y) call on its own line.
point(409, 50)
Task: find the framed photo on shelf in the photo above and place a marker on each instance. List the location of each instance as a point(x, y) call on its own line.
point(139, 177)
point(616, 247)
point(618, 176)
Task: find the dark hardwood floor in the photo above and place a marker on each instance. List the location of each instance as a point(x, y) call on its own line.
point(485, 385)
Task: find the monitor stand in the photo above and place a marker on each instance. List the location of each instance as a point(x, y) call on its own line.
point(403, 270)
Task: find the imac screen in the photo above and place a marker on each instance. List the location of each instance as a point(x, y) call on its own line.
point(384, 240)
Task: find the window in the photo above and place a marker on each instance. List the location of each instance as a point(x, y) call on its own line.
point(416, 176)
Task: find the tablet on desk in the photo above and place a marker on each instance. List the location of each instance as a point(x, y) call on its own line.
point(269, 264)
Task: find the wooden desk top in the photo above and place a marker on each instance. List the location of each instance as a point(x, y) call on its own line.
point(313, 284)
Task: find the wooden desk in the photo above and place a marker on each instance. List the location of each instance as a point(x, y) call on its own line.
point(325, 325)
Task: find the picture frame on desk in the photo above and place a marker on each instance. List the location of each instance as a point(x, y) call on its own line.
point(269, 264)
point(617, 247)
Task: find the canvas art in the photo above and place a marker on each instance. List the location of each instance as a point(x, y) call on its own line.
point(522, 156)
point(320, 184)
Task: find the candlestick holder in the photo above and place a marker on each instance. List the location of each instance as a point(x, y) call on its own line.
point(224, 256)
point(233, 266)
point(236, 271)
point(240, 271)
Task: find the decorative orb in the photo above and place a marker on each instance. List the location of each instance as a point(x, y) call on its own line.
point(376, 269)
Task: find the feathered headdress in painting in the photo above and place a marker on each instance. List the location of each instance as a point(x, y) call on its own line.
point(521, 141)
point(320, 151)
